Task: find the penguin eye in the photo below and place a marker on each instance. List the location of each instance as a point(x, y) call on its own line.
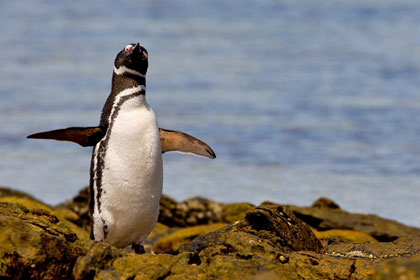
point(128, 47)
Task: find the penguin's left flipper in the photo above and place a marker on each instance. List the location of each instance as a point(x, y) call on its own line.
point(84, 136)
point(176, 141)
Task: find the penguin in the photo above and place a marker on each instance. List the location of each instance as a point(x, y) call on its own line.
point(126, 173)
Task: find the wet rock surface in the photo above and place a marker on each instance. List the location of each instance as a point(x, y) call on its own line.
point(202, 239)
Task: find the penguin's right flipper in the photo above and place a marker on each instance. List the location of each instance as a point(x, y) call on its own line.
point(84, 136)
point(176, 141)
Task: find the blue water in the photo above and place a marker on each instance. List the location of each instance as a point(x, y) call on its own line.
point(299, 99)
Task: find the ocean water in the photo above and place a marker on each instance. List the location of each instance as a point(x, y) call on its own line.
point(299, 99)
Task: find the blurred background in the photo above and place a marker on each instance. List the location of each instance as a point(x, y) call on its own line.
point(299, 99)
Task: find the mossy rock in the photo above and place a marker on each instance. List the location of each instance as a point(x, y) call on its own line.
point(234, 212)
point(174, 240)
point(190, 212)
point(407, 269)
point(159, 232)
point(344, 235)
point(28, 202)
point(145, 266)
point(331, 217)
point(265, 242)
point(98, 257)
point(265, 230)
point(66, 216)
point(80, 206)
point(70, 219)
point(8, 192)
point(35, 244)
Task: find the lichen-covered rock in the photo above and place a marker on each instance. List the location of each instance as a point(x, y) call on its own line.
point(345, 260)
point(234, 212)
point(35, 244)
point(402, 247)
point(268, 228)
point(200, 211)
point(80, 206)
point(7, 192)
point(324, 202)
point(344, 235)
point(159, 232)
point(267, 242)
point(174, 240)
point(399, 269)
point(65, 215)
point(146, 266)
point(324, 218)
point(97, 257)
point(190, 212)
point(241, 251)
point(27, 202)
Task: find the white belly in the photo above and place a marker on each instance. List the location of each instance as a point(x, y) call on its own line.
point(131, 178)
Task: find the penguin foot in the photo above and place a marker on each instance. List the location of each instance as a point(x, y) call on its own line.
point(138, 248)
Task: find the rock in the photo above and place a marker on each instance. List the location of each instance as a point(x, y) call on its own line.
point(72, 221)
point(267, 228)
point(234, 212)
point(344, 235)
point(80, 206)
point(167, 212)
point(159, 232)
point(199, 211)
point(35, 244)
point(14, 196)
point(265, 242)
point(145, 266)
point(404, 269)
point(27, 202)
point(402, 247)
point(309, 265)
point(345, 260)
point(383, 230)
point(174, 240)
point(248, 248)
point(324, 202)
point(190, 212)
point(69, 218)
point(97, 257)
point(46, 247)
point(7, 192)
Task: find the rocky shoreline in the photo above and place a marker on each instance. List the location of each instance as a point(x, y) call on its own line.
point(202, 239)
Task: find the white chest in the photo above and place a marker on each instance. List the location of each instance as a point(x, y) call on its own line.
point(131, 178)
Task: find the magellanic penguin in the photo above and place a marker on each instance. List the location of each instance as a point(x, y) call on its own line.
point(126, 168)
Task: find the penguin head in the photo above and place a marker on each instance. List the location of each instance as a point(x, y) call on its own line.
point(133, 57)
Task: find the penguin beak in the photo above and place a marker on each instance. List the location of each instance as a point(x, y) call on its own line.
point(136, 48)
